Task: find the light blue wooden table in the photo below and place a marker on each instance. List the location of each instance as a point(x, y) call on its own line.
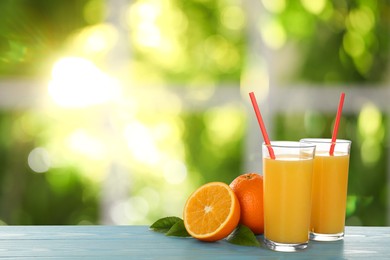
point(138, 242)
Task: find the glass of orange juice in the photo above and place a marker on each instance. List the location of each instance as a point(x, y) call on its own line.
point(287, 195)
point(329, 192)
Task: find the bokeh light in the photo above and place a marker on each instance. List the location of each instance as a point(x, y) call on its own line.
point(361, 20)
point(77, 82)
point(273, 34)
point(39, 160)
point(371, 130)
point(274, 6)
point(314, 7)
point(81, 142)
point(95, 40)
point(353, 44)
point(175, 171)
point(370, 121)
point(144, 15)
point(224, 125)
point(141, 143)
point(233, 17)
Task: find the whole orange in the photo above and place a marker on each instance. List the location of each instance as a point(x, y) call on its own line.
point(249, 191)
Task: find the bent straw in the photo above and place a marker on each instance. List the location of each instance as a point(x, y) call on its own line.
point(336, 124)
point(262, 126)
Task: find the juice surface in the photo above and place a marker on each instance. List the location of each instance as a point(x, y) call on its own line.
point(287, 199)
point(329, 193)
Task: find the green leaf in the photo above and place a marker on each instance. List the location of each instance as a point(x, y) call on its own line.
point(163, 225)
point(243, 236)
point(178, 230)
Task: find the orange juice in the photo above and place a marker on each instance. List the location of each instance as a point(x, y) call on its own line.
point(329, 193)
point(287, 198)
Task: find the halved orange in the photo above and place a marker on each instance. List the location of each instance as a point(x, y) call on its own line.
point(212, 212)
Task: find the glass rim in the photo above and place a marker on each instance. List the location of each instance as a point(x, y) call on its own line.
point(325, 140)
point(290, 144)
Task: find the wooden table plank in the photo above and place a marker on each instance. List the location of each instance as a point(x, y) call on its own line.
point(138, 242)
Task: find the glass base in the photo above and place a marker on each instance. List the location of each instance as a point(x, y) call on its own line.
point(281, 247)
point(326, 237)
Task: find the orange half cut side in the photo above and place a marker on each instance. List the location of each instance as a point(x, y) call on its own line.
point(212, 212)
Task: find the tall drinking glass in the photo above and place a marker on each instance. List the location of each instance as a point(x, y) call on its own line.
point(287, 195)
point(329, 193)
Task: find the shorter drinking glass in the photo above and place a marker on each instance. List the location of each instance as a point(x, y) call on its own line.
point(287, 195)
point(329, 192)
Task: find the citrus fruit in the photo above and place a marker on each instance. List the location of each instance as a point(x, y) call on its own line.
point(212, 212)
point(249, 191)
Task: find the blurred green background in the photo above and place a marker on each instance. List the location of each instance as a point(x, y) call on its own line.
point(113, 112)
